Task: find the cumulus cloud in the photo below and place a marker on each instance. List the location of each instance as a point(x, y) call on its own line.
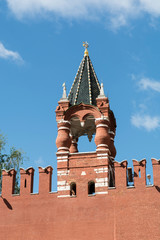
point(118, 12)
point(147, 83)
point(147, 122)
point(8, 54)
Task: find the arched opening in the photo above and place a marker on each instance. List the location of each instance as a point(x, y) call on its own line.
point(91, 187)
point(83, 132)
point(73, 189)
point(139, 173)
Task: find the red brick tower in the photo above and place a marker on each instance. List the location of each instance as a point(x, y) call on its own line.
point(85, 111)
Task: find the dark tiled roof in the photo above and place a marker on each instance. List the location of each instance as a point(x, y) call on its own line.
point(86, 87)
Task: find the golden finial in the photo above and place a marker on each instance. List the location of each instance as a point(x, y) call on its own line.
point(85, 45)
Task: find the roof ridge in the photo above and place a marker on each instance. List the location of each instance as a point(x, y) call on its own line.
point(89, 81)
point(75, 77)
point(95, 74)
point(79, 82)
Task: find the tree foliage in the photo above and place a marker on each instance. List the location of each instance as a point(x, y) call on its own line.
point(13, 159)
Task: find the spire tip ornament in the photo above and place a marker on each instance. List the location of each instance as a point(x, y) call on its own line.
point(64, 95)
point(101, 95)
point(86, 46)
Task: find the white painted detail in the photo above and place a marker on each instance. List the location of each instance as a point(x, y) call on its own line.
point(63, 148)
point(83, 173)
point(102, 125)
point(102, 154)
point(101, 157)
point(86, 153)
point(101, 192)
point(63, 173)
point(98, 180)
point(61, 183)
point(63, 196)
point(111, 132)
point(102, 145)
point(63, 128)
point(63, 188)
point(64, 121)
point(103, 184)
point(101, 170)
point(62, 157)
point(102, 118)
point(99, 150)
point(64, 160)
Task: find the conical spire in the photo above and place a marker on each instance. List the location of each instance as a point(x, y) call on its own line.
point(86, 87)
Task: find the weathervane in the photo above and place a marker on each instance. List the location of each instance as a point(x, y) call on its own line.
point(86, 45)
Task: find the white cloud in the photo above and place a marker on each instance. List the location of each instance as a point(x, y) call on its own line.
point(8, 54)
point(39, 161)
point(147, 83)
point(145, 121)
point(117, 11)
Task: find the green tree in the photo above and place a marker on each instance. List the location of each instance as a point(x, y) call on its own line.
point(13, 159)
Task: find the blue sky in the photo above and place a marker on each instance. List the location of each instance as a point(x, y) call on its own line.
point(41, 47)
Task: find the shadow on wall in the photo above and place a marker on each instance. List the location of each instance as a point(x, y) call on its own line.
point(9, 206)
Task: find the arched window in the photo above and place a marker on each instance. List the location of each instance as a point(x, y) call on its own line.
point(91, 187)
point(73, 189)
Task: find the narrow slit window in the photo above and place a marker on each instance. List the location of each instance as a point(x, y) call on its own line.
point(25, 183)
point(139, 173)
point(73, 189)
point(91, 187)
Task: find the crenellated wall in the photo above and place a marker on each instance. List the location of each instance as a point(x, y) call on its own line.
point(123, 212)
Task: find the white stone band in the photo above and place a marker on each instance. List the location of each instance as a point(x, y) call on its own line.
point(64, 160)
point(62, 128)
point(111, 132)
point(102, 118)
point(102, 145)
point(102, 125)
point(64, 121)
point(63, 148)
point(63, 196)
point(101, 192)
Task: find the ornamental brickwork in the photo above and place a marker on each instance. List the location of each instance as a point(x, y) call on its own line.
point(97, 197)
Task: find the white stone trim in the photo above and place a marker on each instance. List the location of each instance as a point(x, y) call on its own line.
point(98, 180)
point(63, 148)
point(102, 125)
point(63, 188)
point(63, 173)
point(112, 139)
point(83, 173)
point(101, 192)
point(101, 170)
point(60, 153)
point(102, 154)
point(62, 157)
point(82, 153)
point(64, 121)
point(111, 132)
point(102, 145)
point(61, 183)
point(61, 128)
point(102, 157)
point(64, 160)
point(63, 196)
point(102, 118)
point(102, 184)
